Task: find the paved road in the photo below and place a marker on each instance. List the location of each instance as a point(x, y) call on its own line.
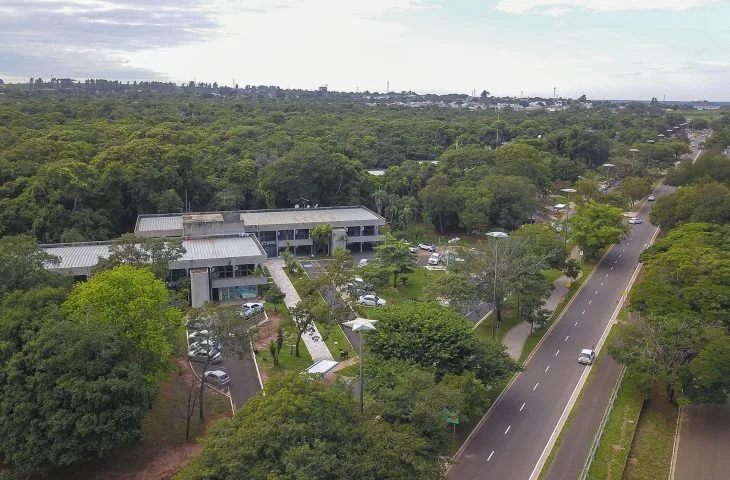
point(244, 378)
point(510, 441)
point(704, 443)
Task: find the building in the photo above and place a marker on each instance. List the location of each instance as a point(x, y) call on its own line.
point(221, 267)
point(354, 228)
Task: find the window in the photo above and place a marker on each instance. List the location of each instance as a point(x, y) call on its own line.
point(286, 234)
point(353, 231)
point(269, 236)
point(302, 234)
point(368, 231)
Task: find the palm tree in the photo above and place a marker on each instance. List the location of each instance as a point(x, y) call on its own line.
point(408, 210)
point(380, 197)
point(393, 208)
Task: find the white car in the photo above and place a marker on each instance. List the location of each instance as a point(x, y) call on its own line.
point(635, 221)
point(196, 335)
point(363, 262)
point(434, 259)
point(587, 356)
point(427, 246)
point(251, 308)
point(218, 377)
point(651, 198)
point(371, 301)
point(413, 249)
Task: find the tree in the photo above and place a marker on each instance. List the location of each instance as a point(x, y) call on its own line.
point(543, 242)
point(380, 197)
point(437, 337)
point(143, 252)
point(572, 268)
point(305, 430)
point(75, 391)
point(137, 303)
point(514, 200)
point(274, 295)
point(23, 264)
point(438, 200)
point(394, 254)
point(321, 236)
point(339, 270)
point(595, 226)
point(635, 188)
point(707, 203)
point(710, 369)
point(303, 317)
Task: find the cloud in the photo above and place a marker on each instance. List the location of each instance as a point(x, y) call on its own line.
point(557, 7)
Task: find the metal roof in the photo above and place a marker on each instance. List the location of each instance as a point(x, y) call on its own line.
point(154, 223)
point(298, 216)
point(221, 247)
point(77, 255)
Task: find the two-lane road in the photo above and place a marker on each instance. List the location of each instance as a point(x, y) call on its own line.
point(510, 441)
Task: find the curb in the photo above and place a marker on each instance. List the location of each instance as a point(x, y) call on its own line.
point(675, 447)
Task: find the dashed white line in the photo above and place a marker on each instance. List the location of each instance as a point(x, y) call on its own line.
point(615, 261)
point(556, 353)
point(596, 293)
point(506, 431)
point(576, 324)
point(589, 302)
point(547, 368)
point(523, 406)
point(601, 283)
point(582, 313)
point(606, 275)
point(566, 338)
point(490, 456)
point(611, 268)
point(533, 388)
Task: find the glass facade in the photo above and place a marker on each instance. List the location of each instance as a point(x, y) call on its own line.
point(237, 293)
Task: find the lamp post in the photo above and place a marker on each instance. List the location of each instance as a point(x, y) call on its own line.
point(648, 156)
point(361, 325)
point(608, 174)
point(496, 236)
point(567, 212)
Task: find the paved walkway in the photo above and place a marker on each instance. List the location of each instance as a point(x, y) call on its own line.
point(317, 348)
point(703, 443)
point(515, 337)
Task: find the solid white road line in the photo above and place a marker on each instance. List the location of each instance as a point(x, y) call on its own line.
point(490, 456)
point(533, 388)
point(523, 406)
point(506, 431)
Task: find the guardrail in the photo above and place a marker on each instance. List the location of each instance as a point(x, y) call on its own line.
point(601, 428)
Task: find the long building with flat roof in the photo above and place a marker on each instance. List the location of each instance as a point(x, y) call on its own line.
point(355, 228)
point(220, 267)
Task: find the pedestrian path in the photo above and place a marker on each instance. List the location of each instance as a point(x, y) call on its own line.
point(313, 340)
point(516, 336)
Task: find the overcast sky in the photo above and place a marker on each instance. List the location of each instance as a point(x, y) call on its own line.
point(618, 49)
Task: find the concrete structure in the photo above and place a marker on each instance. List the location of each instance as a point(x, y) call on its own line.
point(355, 228)
point(220, 267)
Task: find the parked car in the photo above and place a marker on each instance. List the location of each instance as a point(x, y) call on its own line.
point(251, 308)
point(218, 377)
point(413, 249)
point(635, 221)
point(587, 356)
point(651, 198)
point(201, 355)
point(363, 262)
point(199, 324)
point(434, 259)
point(196, 335)
point(204, 344)
point(371, 301)
point(427, 246)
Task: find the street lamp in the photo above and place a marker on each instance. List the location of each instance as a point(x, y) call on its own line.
point(496, 236)
point(361, 325)
point(608, 174)
point(567, 212)
point(648, 156)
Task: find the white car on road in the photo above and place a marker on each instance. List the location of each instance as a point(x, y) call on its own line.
point(371, 301)
point(587, 356)
point(651, 198)
point(434, 259)
point(635, 221)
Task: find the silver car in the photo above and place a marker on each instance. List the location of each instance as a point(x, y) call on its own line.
point(201, 355)
point(587, 356)
point(219, 377)
point(371, 301)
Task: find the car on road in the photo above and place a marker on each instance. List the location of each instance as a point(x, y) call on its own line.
point(201, 355)
point(635, 221)
point(251, 308)
point(371, 301)
point(651, 198)
point(363, 262)
point(430, 247)
point(587, 356)
point(219, 377)
point(434, 259)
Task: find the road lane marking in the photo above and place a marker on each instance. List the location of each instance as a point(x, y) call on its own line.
point(601, 283)
point(547, 368)
point(611, 268)
point(582, 313)
point(589, 302)
point(606, 275)
point(596, 293)
point(556, 353)
point(576, 324)
point(566, 338)
point(616, 261)
point(490, 456)
point(533, 388)
point(523, 406)
point(505, 432)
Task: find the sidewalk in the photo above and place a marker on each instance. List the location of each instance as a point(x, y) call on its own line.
point(317, 348)
point(516, 336)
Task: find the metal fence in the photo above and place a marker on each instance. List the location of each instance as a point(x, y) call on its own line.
point(604, 421)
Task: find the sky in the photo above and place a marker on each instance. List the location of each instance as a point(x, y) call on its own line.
point(614, 49)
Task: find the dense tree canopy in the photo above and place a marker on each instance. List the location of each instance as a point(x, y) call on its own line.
point(596, 226)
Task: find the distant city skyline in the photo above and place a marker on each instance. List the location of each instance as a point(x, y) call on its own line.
point(614, 49)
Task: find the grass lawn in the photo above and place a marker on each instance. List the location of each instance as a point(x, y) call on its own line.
point(651, 451)
point(613, 449)
point(509, 320)
point(416, 286)
point(288, 362)
point(553, 274)
point(537, 335)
